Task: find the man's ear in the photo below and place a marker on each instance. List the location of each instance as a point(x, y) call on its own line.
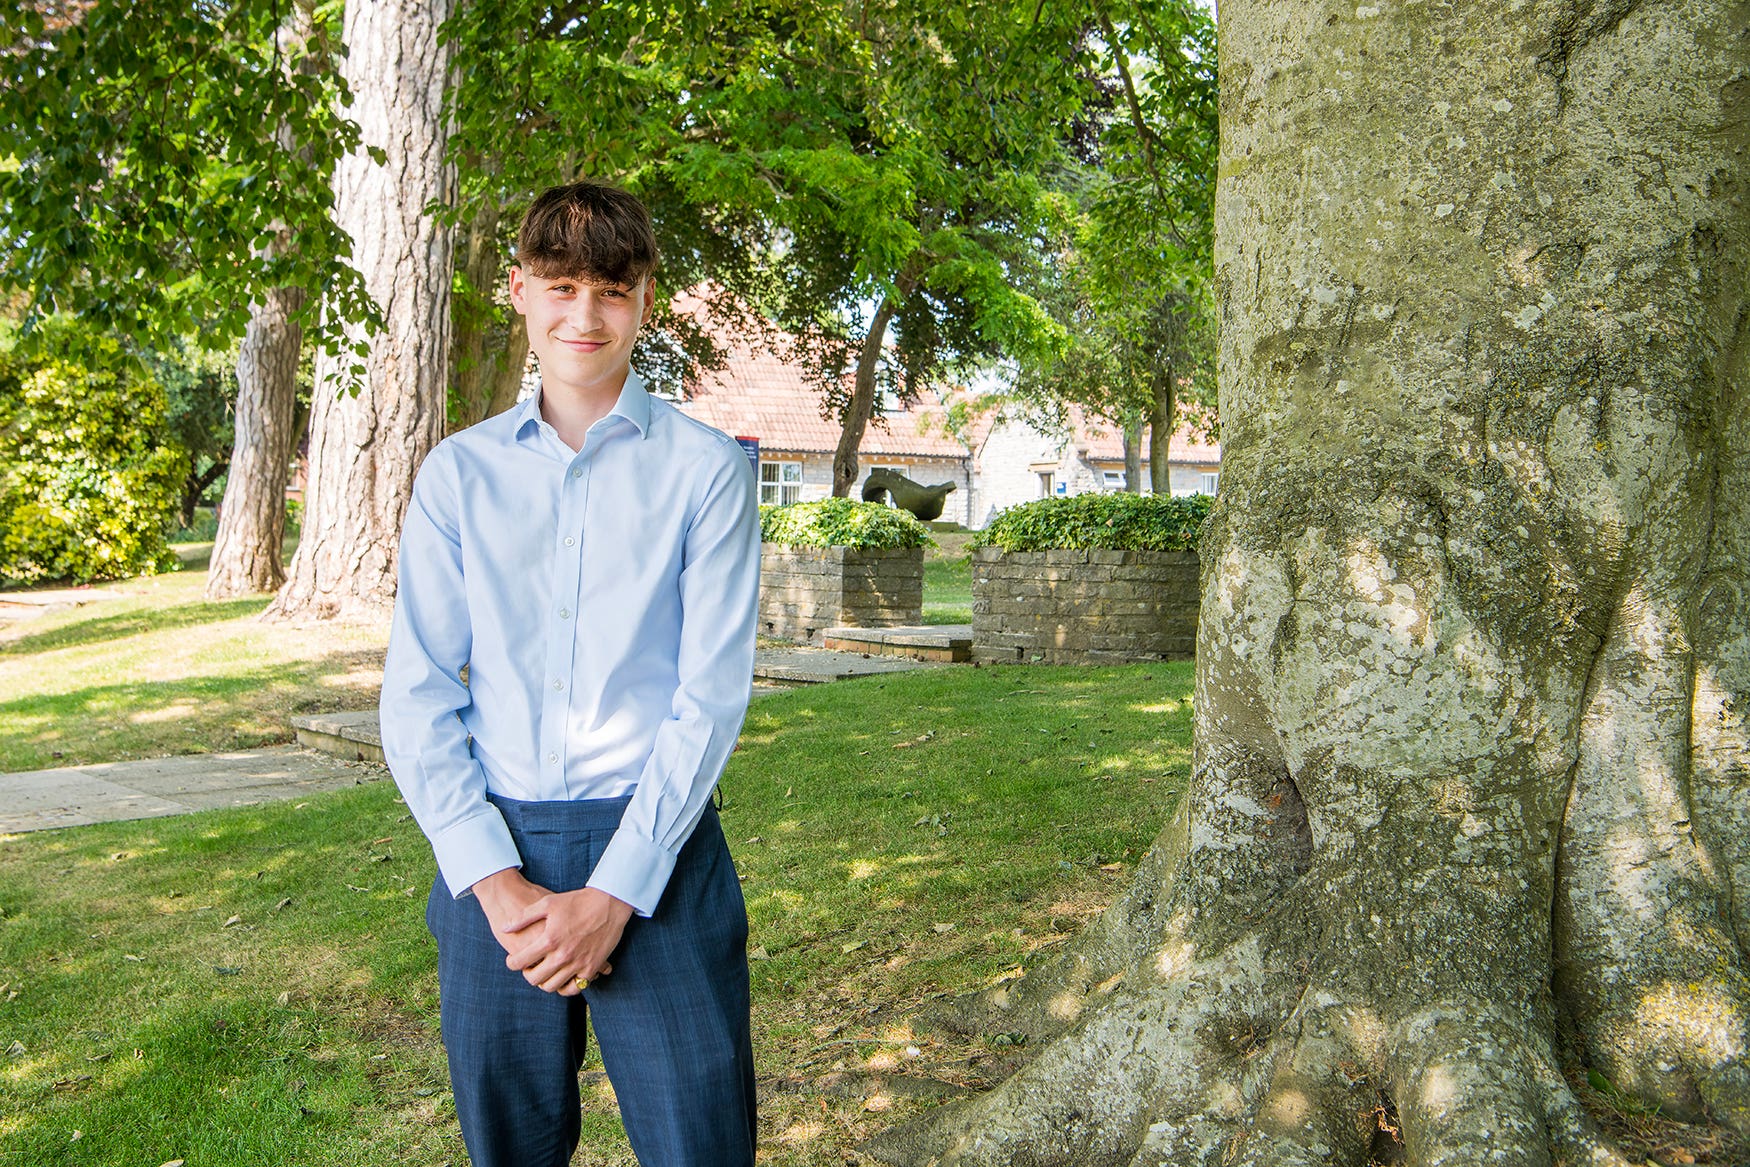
point(649, 300)
point(518, 291)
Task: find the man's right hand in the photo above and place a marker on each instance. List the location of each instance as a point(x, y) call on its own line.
point(505, 896)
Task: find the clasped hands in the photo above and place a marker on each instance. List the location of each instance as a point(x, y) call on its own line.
point(555, 939)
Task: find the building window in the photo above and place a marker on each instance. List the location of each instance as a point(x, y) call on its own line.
point(780, 483)
point(1113, 479)
point(1209, 482)
point(1045, 484)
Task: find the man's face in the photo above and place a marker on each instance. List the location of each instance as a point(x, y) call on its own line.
point(581, 331)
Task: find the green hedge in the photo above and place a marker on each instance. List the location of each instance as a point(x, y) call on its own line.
point(1112, 522)
point(90, 474)
point(841, 522)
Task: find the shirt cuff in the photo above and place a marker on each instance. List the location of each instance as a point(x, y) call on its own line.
point(634, 870)
point(473, 849)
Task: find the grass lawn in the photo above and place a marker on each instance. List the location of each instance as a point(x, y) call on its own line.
point(257, 985)
point(948, 579)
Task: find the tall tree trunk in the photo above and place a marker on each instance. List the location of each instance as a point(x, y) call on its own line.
point(862, 404)
point(490, 348)
point(252, 516)
point(366, 446)
point(1133, 457)
point(1162, 421)
point(1472, 744)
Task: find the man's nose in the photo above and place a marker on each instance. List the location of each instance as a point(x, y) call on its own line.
point(586, 310)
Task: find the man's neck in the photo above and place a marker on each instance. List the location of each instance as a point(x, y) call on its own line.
point(571, 411)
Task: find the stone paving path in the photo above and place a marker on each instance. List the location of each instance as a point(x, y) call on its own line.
point(36, 800)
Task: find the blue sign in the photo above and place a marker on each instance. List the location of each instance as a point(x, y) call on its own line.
point(751, 447)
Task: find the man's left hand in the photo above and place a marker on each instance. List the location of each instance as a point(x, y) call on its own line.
point(580, 931)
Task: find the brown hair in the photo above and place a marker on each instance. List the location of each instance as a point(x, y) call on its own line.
point(589, 231)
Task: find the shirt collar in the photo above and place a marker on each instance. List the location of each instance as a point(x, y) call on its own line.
point(633, 405)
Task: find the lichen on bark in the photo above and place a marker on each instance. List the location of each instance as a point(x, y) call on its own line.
point(1470, 807)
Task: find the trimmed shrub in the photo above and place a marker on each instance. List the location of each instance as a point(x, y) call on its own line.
point(90, 473)
point(1106, 522)
point(842, 522)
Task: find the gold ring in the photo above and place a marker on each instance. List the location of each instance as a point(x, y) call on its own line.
point(580, 982)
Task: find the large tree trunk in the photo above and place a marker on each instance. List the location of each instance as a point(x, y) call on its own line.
point(252, 517)
point(862, 404)
point(366, 445)
point(491, 347)
point(1473, 678)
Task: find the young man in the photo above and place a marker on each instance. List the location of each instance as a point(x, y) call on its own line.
point(591, 558)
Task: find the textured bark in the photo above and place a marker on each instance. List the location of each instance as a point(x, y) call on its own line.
point(491, 348)
point(862, 403)
point(1162, 420)
point(1133, 458)
point(366, 445)
point(252, 516)
point(1474, 660)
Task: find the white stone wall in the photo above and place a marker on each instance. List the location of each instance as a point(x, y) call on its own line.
point(1005, 475)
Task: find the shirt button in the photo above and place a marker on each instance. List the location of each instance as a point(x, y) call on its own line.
point(559, 684)
point(570, 542)
point(565, 613)
point(552, 759)
point(577, 472)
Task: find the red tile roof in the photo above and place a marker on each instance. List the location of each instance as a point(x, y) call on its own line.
point(760, 395)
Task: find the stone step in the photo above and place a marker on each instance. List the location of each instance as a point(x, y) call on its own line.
point(925, 642)
point(354, 736)
point(814, 666)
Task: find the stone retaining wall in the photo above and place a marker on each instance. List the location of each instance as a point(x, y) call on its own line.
point(1084, 607)
point(806, 590)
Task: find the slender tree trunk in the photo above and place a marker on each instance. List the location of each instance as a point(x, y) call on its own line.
point(1162, 421)
point(862, 404)
point(366, 446)
point(252, 517)
point(1472, 756)
point(1133, 457)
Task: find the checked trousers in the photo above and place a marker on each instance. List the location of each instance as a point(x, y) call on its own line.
point(671, 1019)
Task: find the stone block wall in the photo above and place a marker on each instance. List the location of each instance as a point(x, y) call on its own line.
point(806, 590)
point(1084, 607)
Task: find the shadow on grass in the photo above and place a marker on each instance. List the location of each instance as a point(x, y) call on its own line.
point(101, 628)
point(248, 708)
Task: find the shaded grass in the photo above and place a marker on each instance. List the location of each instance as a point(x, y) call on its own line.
point(900, 837)
point(160, 671)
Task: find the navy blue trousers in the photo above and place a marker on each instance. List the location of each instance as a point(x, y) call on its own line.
point(671, 1019)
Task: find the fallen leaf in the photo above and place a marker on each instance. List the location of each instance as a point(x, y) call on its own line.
point(923, 822)
point(283, 999)
point(1111, 867)
point(171, 1163)
point(878, 1104)
point(77, 1135)
point(943, 927)
point(759, 953)
point(15, 1050)
point(226, 970)
point(283, 904)
point(132, 957)
point(753, 840)
point(232, 922)
point(852, 947)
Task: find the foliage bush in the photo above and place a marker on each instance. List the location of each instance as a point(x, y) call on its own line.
point(842, 522)
point(1113, 522)
point(90, 472)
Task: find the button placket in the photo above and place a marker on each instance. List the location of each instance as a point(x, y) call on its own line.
point(561, 638)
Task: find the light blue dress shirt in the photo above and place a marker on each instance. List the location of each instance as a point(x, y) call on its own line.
point(604, 603)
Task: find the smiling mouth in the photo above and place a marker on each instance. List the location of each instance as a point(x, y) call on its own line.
point(585, 345)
